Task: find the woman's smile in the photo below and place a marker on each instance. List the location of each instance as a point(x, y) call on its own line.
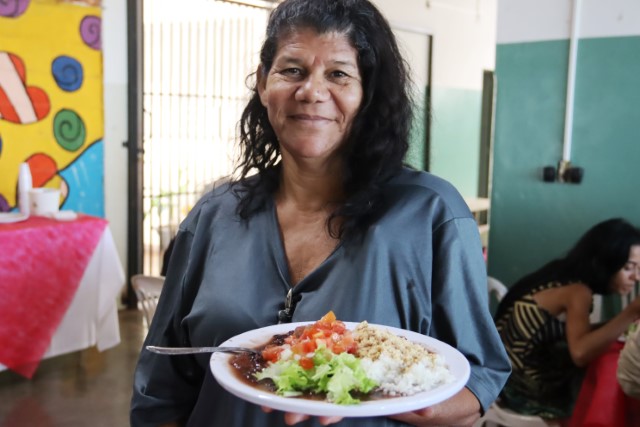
point(310, 119)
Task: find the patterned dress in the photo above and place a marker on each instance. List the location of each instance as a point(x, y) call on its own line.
point(544, 380)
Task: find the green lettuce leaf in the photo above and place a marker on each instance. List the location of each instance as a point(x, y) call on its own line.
point(336, 375)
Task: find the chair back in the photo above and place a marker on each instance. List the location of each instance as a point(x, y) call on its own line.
point(147, 289)
point(626, 299)
point(496, 288)
point(595, 316)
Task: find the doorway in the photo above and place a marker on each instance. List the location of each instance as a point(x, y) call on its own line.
point(416, 45)
point(196, 57)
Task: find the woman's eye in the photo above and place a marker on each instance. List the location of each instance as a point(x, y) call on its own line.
point(339, 74)
point(292, 72)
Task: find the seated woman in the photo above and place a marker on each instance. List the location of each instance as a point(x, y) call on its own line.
point(544, 319)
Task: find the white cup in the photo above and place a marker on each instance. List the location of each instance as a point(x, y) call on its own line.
point(44, 201)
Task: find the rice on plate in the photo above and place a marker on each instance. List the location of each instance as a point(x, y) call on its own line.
point(399, 366)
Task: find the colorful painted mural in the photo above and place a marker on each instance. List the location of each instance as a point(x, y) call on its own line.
point(51, 101)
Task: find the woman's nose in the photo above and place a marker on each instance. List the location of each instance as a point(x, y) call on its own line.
point(312, 89)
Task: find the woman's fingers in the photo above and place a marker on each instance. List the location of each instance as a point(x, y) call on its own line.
point(410, 418)
point(290, 418)
point(325, 421)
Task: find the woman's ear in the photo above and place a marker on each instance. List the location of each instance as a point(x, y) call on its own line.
point(261, 84)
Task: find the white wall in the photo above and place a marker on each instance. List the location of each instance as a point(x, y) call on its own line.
point(464, 33)
point(543, 20)
point(114, 42)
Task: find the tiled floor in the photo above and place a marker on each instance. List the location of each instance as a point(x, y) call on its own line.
point(83, 389)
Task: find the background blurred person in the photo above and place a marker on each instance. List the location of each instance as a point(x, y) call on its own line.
point(544, 318)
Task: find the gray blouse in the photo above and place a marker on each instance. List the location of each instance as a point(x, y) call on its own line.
point(418, 267)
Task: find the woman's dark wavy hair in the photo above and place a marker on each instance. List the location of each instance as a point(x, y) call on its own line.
point(378, 140)
point(599, 254)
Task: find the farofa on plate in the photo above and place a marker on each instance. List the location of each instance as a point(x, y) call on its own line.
point(399, 366)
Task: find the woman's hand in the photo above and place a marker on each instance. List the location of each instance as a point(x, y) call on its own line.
point(463, 409)
point(291, 418)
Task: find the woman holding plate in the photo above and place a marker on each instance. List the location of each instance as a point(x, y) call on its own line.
point(324, 216)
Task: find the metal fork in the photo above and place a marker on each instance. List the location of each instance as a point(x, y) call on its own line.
point(194, 350)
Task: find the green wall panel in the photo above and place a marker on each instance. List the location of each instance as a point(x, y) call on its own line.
point(533, 221)
point(416, 156)
point(455, 137)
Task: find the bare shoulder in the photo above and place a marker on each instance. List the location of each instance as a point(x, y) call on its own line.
point(578, 290)
point(559, 299)
point(578, 295)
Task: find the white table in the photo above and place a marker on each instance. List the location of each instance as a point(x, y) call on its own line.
point(477, 205)
point(92, 317)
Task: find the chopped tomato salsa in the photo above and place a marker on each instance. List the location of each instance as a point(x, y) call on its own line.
point(327, 332)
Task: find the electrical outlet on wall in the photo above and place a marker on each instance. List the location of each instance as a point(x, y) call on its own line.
point(563, 173)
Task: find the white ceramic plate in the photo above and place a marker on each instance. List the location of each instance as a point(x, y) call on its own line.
point(227, 378)
point(9, 217)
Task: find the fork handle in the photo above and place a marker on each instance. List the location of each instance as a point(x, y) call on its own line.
point(195, 350)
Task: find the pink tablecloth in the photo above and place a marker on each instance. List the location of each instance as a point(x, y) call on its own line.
point(601, 402)
point(41, 265)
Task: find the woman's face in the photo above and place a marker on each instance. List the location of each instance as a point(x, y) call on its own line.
point(312, 93)
point(622, 282)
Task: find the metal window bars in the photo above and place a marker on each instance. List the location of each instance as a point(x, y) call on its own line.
point(197, 55)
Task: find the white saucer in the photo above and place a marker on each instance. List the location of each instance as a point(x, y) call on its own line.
point(9, 217)
point(64, 215)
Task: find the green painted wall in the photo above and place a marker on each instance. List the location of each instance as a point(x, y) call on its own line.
point(532, 221)
point(416, 156)
point(455, 137)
